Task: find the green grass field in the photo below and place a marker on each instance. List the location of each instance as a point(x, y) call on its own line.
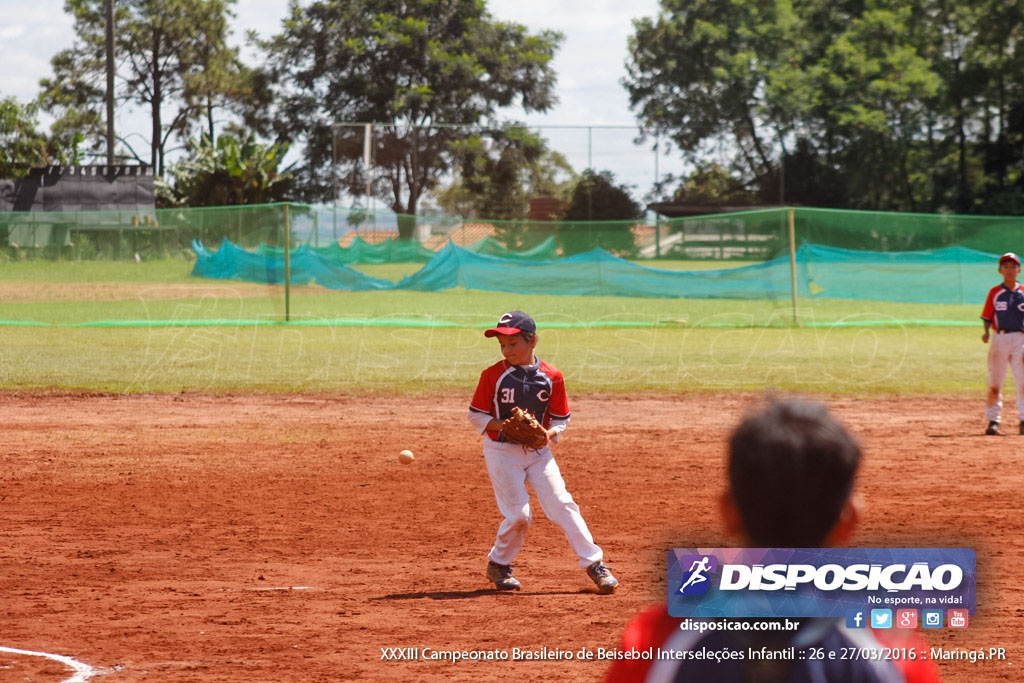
point(675, 345)
point(915, 360)
point(162, 271)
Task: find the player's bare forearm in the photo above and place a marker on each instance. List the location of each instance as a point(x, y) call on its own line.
point(985, 334)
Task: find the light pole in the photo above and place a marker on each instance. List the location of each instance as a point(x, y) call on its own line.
point(110, 81)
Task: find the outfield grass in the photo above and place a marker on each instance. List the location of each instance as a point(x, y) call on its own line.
point(912, 360)
point(224, 300)
point(678, 345)
point(169, 271)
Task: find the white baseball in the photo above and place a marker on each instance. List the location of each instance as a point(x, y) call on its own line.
point(406, 457)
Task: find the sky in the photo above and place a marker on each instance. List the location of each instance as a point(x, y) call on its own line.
point(590, 66)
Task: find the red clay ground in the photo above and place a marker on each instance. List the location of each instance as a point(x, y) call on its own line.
point(157, 537)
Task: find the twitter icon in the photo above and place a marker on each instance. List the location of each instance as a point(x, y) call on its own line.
point(881, 618)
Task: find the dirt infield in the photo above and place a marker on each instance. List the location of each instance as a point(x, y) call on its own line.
point(276, 538)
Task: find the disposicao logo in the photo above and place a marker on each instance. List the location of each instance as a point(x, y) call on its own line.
point(697, 578)
point(817, 582)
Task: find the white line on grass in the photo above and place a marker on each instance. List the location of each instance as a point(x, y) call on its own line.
point(83, 672)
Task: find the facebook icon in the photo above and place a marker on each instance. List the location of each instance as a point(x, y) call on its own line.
point(855, 618)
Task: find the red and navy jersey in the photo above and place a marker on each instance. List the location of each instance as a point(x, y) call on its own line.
point(654, 628)
point(537, 388)
point(1005, 308)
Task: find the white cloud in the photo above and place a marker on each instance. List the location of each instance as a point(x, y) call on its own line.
point(590, 63)
point(8, 32)
point(262, 16)
point(32, 33)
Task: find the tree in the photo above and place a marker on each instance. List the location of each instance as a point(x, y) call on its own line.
point(173, 59)
point(849, 79)
point(230, 172)
point(498, 173)
point(597, 197)
point(809, 179)
point(412, 67)
point(873, 87)
point(22, 146)
point(974, 136)
point(697, 74)
point(552, 176)
point(492, 172)
point(913, 106)
point(711, 184)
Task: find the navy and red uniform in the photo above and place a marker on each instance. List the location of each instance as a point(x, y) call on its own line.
point(1004, 308)
point(538, 389)
point(655, 628)
point(1004, 312)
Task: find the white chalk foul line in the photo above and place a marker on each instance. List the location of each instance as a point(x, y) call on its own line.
point(83, 672)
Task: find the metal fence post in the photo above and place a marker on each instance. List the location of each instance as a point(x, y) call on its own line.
point(792, 261)
point(287, 265)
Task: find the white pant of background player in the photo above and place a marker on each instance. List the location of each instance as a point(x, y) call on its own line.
point(1004, 349)
point(511, 466)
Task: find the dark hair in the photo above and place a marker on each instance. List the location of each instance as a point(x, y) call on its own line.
point(791, 470)
point(527, 336)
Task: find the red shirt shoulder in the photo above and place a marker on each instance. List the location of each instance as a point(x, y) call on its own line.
point(483, 397)
point(988, 312)
point(551, 371)
point(653, 626)
point(649, 628)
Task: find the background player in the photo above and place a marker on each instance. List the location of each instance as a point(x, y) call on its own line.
point(1004, 312)
point(791, 469)
point(523, 380)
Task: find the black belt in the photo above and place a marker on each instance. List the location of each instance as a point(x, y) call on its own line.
point(1009, 331)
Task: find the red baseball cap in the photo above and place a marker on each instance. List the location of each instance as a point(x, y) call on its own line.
point(1009, 256)
point(513, 322)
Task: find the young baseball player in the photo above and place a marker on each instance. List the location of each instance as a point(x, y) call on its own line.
point(1004, 312)
point(791, 470)
point(522, 380)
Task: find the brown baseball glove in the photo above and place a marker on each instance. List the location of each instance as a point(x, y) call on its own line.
point(523, 428)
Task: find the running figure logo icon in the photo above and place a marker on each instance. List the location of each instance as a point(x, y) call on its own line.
point(695, 581)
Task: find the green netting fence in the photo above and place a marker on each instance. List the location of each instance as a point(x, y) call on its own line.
point(360, 251)
point(777, 254)
point(354, 237)
point(950, 275)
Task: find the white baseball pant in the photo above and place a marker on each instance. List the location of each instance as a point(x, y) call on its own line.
point(511, 466)
point(1004, 348)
